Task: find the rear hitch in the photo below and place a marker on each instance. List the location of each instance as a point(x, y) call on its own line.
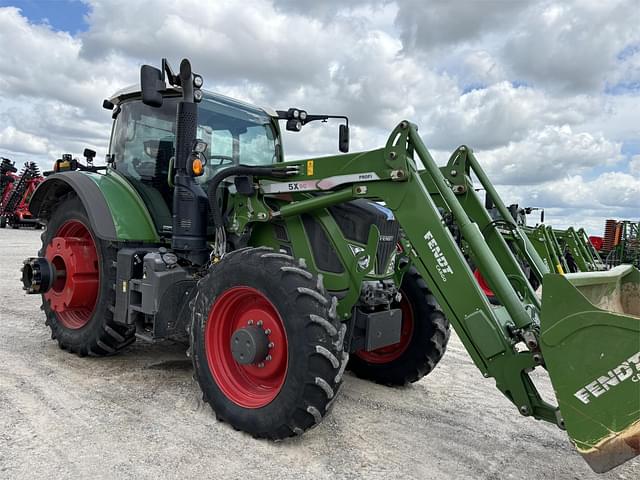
point(38, 275)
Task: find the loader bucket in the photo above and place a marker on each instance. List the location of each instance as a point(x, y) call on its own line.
point(590, 340)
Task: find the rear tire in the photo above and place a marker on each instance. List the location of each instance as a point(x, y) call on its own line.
point(294, 389)
point(92, 330)
point(423, 341)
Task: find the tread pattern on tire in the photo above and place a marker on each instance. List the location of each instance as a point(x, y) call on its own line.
point(101, 336)
point(320, 336)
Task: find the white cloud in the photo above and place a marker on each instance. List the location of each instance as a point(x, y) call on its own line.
point(500, 114)
point(16, 141)
point(447, 22)
point(571, 45)
point(634, 165)
point(528, 85)
point(548, 154)
point(575, 200)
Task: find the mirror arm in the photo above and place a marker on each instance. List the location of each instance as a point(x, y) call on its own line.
point(172, 78)
point(284, 115)
point(312, 118)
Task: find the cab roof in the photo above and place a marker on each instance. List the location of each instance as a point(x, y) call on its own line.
point(133, 91)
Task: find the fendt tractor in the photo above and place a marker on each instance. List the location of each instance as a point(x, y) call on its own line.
point(281, 274)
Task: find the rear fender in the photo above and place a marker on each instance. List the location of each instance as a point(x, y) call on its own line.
point(114, 208)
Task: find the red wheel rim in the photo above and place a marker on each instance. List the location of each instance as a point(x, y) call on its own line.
point(483, 283)
point(74, 292)
point(250, 386)
point(393, 352)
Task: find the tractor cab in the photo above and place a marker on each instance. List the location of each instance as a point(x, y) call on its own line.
point(143, 138)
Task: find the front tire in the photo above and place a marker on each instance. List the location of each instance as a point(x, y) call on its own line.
point(424, 335)
point(79, 306)
point(288, 388)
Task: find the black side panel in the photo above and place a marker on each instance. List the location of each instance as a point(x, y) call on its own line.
point(356, 217)
point(173, 314)
point(354, 220)
point(323, 252)
point(55, 186)
point(129, 266)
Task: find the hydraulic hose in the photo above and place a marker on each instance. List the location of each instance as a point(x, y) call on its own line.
point(212, 189)
point(219, 246)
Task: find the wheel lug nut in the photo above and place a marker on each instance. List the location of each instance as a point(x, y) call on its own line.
point(250, 322)
point(268, 358)
point(259, 323)
point(261, 365)
point(267, 331)
point(271, 345)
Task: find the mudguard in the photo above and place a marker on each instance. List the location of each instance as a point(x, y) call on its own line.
point(114, 208)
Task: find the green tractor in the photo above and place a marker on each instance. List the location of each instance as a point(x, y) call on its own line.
point(282, 274)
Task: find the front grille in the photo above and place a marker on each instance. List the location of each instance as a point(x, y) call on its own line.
point(389, 236)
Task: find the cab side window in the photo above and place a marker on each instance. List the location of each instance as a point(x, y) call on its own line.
point(142, 145)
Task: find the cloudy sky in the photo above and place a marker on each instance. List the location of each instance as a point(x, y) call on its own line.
point(546, 92)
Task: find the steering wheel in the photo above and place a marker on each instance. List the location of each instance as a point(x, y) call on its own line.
point(144, 169)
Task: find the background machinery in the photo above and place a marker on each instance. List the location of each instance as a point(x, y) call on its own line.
point(8, 175)
point(568, 250)
point(16, 190)
point(284, 273)
point(621, 243)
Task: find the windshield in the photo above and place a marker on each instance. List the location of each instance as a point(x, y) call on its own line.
point(144, 137)
point(235, 135)
point(143, 143)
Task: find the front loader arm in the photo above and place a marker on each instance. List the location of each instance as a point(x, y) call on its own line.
point(490, 334)
point(585, 332)
point(457, 173)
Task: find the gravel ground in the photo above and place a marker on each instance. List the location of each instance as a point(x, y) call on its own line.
point(140, 415)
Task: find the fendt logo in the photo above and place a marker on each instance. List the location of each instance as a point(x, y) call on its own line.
point(442, 264)
point(629, 369)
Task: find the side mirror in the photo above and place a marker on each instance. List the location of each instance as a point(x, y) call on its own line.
point(151, 82)
point(542, 216)
point(343, 138)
